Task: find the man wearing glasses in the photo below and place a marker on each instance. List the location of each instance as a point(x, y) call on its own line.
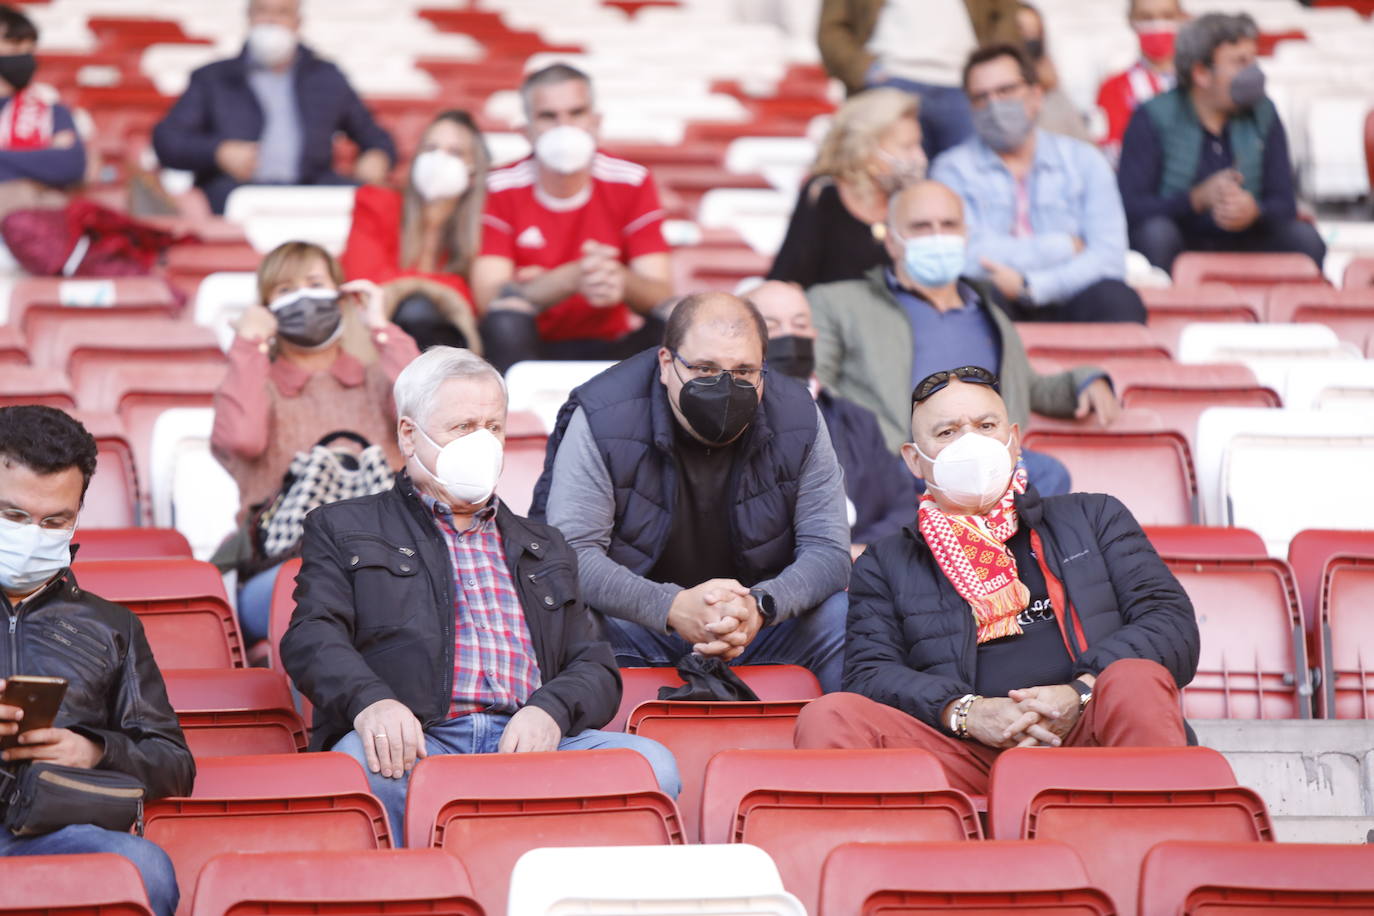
point(704, 500)
point(1001, 619)
point(1046, 225)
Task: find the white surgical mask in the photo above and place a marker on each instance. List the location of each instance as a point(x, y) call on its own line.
point(468, 467)
point(30, 555)
point(271, 45)
point(972, 470)
point(437, 175)
point(565, 149)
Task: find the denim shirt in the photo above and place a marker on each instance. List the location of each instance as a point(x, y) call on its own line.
point(1073, 194)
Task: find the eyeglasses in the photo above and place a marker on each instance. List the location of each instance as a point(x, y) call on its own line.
point(1006, 91)
point(51, 523)
point(938, 381)
point(748, 376)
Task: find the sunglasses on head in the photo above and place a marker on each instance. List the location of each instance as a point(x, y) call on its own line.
point(938, 381)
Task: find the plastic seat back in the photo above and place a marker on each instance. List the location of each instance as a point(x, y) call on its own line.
point(1152, 473)
point(1347, 638)
point(131, 543)
point(1012, 876)
point(25, 384)
point(1348, 312)
point(1359, 273)
point(694, 732)
point(14, 348)
point(87, 884)
point(769, 682)
point(50, 298)
point(524, 462)
point(1074, 342)
point(1169, 308)
point(1311, 550)
point(282, 607)
point(1250, 274)
point(1204, 541)
point(229, 711)
point(182, 604)
point(1216, 878)
point(1253, 661)
point(489, 809)
point(113, 498)
point(1180, 408)
point(406, 882)
point(798, 805)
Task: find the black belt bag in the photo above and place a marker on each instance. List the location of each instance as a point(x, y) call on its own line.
point(44, 797)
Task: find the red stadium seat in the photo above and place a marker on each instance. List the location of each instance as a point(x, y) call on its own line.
point(1205, 542)
point(120, 297)
point(1211, 879)
point(769, 682)
point(1128, 374)
point(187, 265)
point(1152, 473)
point(398, 882)
point(1253, 663)
point(83, 342)
point(182, 604)
point(694, 732)
point(113, 499)
point(488, 809)
point(277, 803)
point(994, 876)
point(1311, 550)
point(282, 606)
point(1348, 312)
point(1249, 274)
point(524, 463)
point(706, 268)
point(1113, 804)
point(225, 712)
point(25, 384)
point(131, 543)
point(1075, 343)
point(1347, 638)
point(1179, 408)
point(14, 349)
point(93, 884)
point(798, 805)
point(1171, 307)
point(1359, 273)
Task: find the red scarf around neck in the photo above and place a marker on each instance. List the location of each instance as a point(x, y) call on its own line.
point(26, 122)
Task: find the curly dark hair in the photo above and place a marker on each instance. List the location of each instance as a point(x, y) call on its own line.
point(46, 440)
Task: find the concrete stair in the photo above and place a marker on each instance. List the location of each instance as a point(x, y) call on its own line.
point(1316, 776)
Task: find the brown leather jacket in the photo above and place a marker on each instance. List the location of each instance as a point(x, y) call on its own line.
point(846, 25)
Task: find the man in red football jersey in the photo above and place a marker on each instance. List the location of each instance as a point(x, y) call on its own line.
point(573, 260)
point(1155, 23)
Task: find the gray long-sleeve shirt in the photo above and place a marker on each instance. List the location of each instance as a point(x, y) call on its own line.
point(582, 506)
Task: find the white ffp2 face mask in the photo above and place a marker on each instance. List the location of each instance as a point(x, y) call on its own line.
point(30, 555)
point(565, 149)
point(271, 45)
point(437, 175)
point(972, 470)
point(468, 467)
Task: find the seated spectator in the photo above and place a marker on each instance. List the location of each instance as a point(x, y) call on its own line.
point(876, 337)
point(1066, 629)
point(290, 383)
point(269, 116)
point(704, 500)
point(1046, 228)
point(478, 641)
point(420, 243)
point(1205, 166)
point(573, 259)
point(39, 143)
point(1057, 112)
point(881, 494)
point(1155, 23)
point(917, 46)
point(115, 714)
point(873, 149)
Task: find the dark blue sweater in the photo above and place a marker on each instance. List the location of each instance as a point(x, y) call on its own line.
point(56, 167)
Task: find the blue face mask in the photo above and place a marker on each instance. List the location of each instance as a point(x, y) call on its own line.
point(934, 261)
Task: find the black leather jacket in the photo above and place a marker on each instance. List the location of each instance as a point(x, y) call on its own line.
point(115, 693)
point(375, 614)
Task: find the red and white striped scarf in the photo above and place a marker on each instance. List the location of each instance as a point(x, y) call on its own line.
point(973, 555)
point(26, 122)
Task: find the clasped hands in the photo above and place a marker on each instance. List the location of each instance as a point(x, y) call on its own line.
point(1223, 195)
point(1030, 717)
point(718, 617)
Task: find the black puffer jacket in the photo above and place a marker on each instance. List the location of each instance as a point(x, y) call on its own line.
point(911, 640)
point(115, 694)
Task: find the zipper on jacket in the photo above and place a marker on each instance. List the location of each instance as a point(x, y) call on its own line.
point(14, 641)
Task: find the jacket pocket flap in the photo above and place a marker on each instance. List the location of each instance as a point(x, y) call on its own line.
point(364, 553)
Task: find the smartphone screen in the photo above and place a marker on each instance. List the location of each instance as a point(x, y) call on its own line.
point(39, 697)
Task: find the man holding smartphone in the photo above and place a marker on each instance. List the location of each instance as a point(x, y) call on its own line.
point(115, 714)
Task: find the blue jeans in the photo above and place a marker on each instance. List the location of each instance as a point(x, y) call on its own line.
point(152, 863)
point(480, 733)
point(813, 640)
point(255, 605)
point(946, 118)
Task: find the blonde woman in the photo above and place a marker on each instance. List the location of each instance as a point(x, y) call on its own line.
point(873, 149)
point(419, 243)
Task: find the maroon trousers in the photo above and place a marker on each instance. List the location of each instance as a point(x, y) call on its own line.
point(1135, 704)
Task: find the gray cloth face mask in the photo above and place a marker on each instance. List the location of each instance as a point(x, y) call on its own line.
point(1003, 124)
point(1247, 87)
point(308, 318)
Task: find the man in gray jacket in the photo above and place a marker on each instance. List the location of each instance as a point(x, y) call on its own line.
point(880, 335)
point(704, 500)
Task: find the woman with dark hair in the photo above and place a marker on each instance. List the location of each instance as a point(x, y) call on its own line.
point(419, 243)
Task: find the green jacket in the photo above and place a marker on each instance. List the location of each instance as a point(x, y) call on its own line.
point(864, 351)
point(1181, 138)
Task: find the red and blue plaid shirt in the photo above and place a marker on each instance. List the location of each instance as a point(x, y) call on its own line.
point(494, 667)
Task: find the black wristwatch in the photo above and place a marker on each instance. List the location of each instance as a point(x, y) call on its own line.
point(1085, 693)
point(767, 606)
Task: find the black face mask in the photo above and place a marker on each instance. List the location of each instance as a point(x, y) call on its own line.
point(794, 356)
point(718, 409)
point(307, 318)
point(17, 69)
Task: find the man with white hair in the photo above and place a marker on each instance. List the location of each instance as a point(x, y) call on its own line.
point(430, 619)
